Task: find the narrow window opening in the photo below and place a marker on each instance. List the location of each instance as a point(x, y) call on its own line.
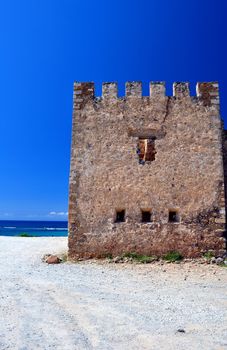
point(120, 215)
point(146, 216)
point(146, 150)
point(174, 216)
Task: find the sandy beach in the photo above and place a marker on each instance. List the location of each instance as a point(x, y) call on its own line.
point(107, 306)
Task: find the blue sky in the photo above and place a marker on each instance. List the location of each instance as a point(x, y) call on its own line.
point(47, 44)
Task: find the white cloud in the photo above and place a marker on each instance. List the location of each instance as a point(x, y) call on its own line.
point(59, 213)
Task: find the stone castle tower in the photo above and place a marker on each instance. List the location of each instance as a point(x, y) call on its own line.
point(147, 173)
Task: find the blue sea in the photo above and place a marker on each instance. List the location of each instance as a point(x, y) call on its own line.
point(33, 228)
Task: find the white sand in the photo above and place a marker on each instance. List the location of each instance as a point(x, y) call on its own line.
point(106, 306)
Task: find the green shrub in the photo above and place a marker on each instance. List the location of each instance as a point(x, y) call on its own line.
point(144, 259)
point(173, 256)
point(108, 256)
point(223, 265)
point(208, 255)
point(130, 255)
point(25, 234)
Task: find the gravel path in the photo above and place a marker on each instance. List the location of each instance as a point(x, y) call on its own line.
point(107, 306)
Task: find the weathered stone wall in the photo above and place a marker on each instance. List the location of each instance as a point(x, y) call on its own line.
point(224, 135)
point(186, 175)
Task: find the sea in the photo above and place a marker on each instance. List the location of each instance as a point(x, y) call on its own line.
point(33, 228)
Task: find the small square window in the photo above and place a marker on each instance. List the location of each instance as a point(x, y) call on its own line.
point(146, 216)
point(174, 216)
point(120, 215)
point(146, 150)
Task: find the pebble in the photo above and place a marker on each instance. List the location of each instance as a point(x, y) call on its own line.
point(181, 330)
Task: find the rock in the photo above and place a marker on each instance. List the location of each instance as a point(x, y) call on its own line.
point(220, 221)
point(117, 259)
point(181, 330)
point(213, 260)
point(53, 259)
point(225, 262)
point(219, 261)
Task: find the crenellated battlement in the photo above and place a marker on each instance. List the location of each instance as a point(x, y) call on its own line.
point(207, 92)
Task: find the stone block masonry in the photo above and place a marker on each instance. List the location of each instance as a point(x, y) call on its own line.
point(147, 172)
